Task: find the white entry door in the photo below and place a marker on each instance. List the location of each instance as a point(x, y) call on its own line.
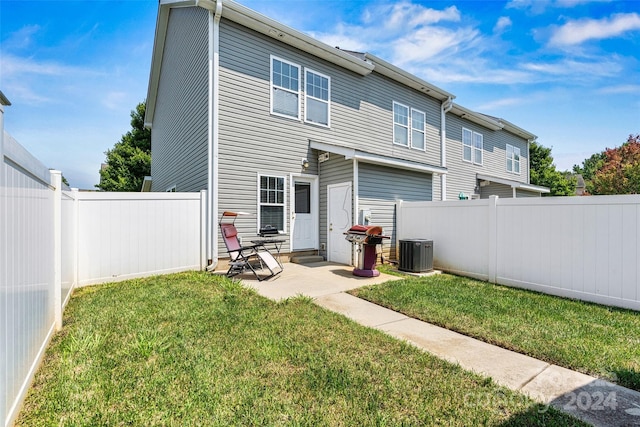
point(338, 221)
point(304, 218)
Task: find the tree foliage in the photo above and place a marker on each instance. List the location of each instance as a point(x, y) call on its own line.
point(543, 172)
point(590, 166)
point(129, 161)
point(619, 170)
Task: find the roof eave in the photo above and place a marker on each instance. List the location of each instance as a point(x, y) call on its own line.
point(513, 184)
point(389, 70)
point(377, 159)
point(476, 118)
point(249, 18)
point(156, 59)
point(516, 130)
point(4, 100)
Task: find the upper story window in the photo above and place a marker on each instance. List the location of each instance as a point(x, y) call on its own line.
point(513, 159)
point(285, 88)
point(271, 201)
point(400, 124)
point(418, 121)
point(317, 99)
point(472, 146)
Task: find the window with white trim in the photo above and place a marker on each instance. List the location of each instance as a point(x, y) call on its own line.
point(171, 189)
point(285, 88)
point(513, 159)
point(317, 97)
point(271, 201)
point(400, 124)
point(472, 146)
point(418, 122)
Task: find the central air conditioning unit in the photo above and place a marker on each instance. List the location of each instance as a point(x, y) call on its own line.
point(416, 255)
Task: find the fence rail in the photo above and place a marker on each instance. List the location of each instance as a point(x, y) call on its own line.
point(577, 247)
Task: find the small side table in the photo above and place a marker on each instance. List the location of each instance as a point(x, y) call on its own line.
point(275, 241)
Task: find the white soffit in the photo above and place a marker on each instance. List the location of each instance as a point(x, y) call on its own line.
point(363, 156)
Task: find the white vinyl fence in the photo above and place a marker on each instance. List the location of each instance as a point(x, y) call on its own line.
point(578, 247)
point(52, 241)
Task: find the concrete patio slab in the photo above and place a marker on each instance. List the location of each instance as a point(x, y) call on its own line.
point(312, 280)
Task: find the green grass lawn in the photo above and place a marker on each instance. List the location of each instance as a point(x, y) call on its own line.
point(590, 338)
point(196, 349)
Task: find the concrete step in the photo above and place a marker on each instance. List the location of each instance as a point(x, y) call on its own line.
point(306, 259)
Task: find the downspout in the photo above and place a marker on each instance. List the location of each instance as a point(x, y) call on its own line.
point(446, 107)
point(213, 135)
point(529, 141)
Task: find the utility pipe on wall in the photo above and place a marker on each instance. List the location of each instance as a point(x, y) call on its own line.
point(445, 108)
point(213, 134)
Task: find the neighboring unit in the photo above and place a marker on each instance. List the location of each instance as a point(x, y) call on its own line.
point(308, 138)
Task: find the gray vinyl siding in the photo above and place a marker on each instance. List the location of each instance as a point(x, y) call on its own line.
point(495, 189)
point(461, 175)
point(361, 107)
point(380, 188)
point(334, 171)
point(252, 140)
point(525, 193)
point(179, 133)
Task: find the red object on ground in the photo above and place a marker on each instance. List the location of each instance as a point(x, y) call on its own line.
point(367, 237)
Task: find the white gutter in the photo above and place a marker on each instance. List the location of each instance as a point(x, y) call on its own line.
point(445, 108)
point(213, 133)
point(529, 141)
point(249, 18)
point(376, 159)
point(476, 118)
point(387, 69)
point(513, 184)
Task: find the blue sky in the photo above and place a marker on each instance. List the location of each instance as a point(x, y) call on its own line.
point(565, 70)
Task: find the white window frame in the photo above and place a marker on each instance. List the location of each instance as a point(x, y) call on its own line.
point(476, 149)
point(283, 204)
point(307, 96)
point(272, 86)
point(511, 155)
point(423, 130)
point(171, 189)
point(472, 147)
point(407, 126)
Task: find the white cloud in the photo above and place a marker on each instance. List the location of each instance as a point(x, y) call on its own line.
point(574, 3)
point(580, 70)
point(579, 31)
point(413, 15)
point(629, 89)
point(504, 23)
point(539, 6)
point(14, 66)
point(428, 43)
point(114, 100)
point(22, 38)
point(501, 103)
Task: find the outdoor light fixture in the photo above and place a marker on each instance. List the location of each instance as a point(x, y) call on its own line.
point(305, 163)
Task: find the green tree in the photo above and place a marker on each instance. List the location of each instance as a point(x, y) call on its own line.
point(590, 166)
point(619, 172)
point(543, 172)
point(129, 161)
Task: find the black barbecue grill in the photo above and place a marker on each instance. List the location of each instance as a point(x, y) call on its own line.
point(268, 231)
point(367, 237)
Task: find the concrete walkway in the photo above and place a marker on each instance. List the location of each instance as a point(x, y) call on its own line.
point(595, 401)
